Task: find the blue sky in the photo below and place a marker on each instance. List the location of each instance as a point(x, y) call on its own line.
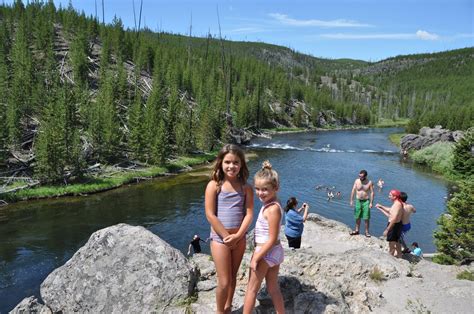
point(359, 29)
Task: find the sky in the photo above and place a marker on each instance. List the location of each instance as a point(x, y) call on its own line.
point(369, 30)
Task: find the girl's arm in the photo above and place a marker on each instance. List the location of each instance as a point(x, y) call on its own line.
point(247, 218)
point(210, 207)
point(305, 214)
point(248, 213)
point(273, 216)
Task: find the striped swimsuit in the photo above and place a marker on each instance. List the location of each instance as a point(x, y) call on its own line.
point(275, 255)
point(230, 211)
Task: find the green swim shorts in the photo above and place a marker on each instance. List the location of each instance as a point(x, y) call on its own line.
point(362, 209)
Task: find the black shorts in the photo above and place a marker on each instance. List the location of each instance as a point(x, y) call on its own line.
point(294, 242)
point(395, 233)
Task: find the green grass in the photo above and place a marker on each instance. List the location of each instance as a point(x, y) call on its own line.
point(395, 138)
point(438, 156)
point(466, 275)
point(377, 275)
point(283, 129)
point(91, 185)
point(388, 123)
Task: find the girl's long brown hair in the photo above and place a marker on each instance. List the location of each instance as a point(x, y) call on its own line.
point(217, 174)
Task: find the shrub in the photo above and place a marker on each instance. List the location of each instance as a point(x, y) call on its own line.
point(438, 156)
point(377, 275)
point(466, 275)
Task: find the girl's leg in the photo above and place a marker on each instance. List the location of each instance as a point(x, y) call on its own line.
point(273, 288)
point(255, 281)
point(236, 255)
point(221, 255)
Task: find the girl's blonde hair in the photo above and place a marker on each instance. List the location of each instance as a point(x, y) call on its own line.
point(217, 173)
point(268, 174)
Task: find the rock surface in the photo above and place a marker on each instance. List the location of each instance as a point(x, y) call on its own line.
point(428, 136)
point(120, 269)
point(30, 305)
point(333, 272)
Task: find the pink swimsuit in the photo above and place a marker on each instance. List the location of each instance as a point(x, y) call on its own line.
point(275, 255)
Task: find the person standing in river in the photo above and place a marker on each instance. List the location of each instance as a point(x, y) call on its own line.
point(363, 189)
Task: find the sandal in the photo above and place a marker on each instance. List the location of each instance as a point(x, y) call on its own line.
point(368, 235)
point(354, 233)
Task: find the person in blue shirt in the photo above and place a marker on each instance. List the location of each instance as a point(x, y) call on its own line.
point(294, 222)
point(416, 250)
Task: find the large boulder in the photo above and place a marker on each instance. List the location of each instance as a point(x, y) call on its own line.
point(428, 136)
point(121, 269)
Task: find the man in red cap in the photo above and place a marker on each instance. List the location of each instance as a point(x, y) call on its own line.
point(394, 226)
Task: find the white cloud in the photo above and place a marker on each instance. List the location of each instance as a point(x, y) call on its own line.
point(421, 35)
point(284, 19)
point(424, 35)
point(246, 30)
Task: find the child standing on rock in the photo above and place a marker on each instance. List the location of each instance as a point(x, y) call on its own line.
point(229, 210)
point(268, 255)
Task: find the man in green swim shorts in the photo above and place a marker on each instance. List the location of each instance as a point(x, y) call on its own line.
point(361, 189)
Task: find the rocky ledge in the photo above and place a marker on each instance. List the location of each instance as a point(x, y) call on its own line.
point(128, 269)
point(428, 136)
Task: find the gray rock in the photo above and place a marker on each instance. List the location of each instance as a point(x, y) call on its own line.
point(458, 135)
point(30, 305)
point(121, 269)
point(428, 136)
point(206, 285)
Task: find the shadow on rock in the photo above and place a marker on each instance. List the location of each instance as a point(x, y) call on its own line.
point(298, 298)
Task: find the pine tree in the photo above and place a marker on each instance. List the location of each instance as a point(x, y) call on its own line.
point(155, 124)
point(51, 144)
point(110, 125)
point(136, 138)
point(21, 82)
point(455, 236)
point(3, 105)
point(463, 159)
point(160, 148)
point(78, 54)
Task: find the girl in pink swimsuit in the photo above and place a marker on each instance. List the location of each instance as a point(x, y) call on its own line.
point(229, 210)
point(268, 255)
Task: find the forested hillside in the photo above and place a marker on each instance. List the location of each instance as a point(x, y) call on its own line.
point(430, 89)
point(75, 92)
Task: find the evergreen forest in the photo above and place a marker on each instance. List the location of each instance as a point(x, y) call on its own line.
point(75, 92)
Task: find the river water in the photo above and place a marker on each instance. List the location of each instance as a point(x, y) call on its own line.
point(39, 236)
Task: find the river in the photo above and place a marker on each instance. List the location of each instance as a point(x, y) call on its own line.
point(39, 236)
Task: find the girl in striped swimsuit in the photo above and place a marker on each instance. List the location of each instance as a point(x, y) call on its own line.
point(229, 210)
point(268, 255)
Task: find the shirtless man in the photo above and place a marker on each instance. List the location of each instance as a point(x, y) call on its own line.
point(362, 188)
point(394, 226)
point(408, 210)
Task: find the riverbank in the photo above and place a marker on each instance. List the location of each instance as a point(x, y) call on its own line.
point(108, 178)
point(333, 272)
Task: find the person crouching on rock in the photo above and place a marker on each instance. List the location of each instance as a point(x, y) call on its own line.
point(195, 244)
point(294, 222)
